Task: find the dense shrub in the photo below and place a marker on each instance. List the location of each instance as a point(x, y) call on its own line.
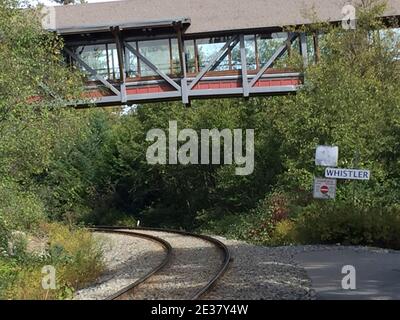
point(76, 256)
point(284, 233)
point(345, 223)
point(19, 210)
point(257, 226)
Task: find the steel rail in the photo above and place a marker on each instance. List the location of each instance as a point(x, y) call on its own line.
point(224, 249)
point(124, 292)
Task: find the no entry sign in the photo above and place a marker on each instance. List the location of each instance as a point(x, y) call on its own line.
point(324, 188)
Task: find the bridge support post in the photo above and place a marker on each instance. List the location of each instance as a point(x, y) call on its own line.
point(182, 58)
point(243, 60)
point(184, 91)
point(123, 93)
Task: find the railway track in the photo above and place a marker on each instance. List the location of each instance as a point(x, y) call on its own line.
point(173, 266)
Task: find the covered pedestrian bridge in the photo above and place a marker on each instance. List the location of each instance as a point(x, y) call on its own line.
point(139, 51)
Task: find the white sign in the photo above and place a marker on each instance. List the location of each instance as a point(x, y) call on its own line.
point(324, 188)
point(326, 156)
point(350, 174)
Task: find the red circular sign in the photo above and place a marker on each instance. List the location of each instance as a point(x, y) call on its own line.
point(324, 189)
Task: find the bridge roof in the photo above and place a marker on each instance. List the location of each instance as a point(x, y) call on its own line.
point(206, 16)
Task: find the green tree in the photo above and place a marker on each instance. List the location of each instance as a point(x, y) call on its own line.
point(35, 87)
point(350, 99)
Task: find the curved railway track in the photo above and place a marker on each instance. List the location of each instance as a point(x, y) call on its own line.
point(127, 292)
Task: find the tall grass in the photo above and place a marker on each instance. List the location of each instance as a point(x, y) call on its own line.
point(76, 256)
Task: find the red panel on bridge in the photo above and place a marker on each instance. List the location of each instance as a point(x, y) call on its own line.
point(140, 89)
point(149, 89)
point(224, 84)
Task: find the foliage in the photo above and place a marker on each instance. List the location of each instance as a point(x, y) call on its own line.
point(35, 130)
point(344, 223)
point(350, 99)
point(115, 176)
point(19, 210)
point(75, 255)
point(284, 233)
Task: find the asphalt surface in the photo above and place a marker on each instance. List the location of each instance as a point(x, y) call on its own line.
point(377, 273)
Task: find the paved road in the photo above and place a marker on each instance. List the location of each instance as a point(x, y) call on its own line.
point(377, 273)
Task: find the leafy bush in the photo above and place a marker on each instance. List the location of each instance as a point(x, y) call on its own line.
point(19, 210)
point(344, 223)
point(228, 225)
point(284, 233)
point(80, 254)
point(75, 255)
point(256, 226)
point(4, 237)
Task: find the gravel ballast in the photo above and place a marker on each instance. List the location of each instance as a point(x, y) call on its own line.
point(256, 272)
point(193, 263)
point(262, 273)
point(127, 259)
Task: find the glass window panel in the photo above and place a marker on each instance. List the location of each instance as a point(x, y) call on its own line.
point(157, 52)
point(322, 44)
point(310, 48)
point(296, 45)
point(250, 46)
point(236, 63)
point(103, 58)
point(132, 65)
point(391, 39)
point(190, 56)
point(113, 65)
point(176, 64)
point(208, 48)
point(396, 42)
point(267, 44)
point(96, 57)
